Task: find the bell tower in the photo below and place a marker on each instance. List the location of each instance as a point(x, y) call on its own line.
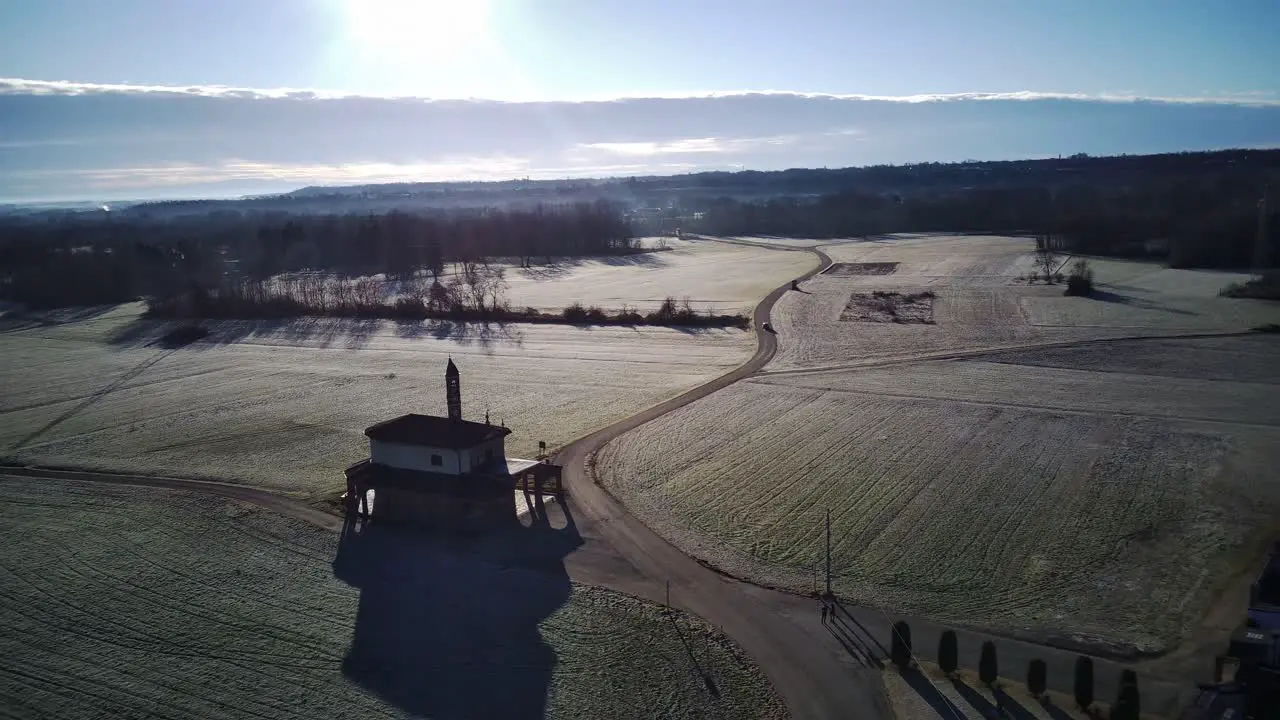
point(453, 391)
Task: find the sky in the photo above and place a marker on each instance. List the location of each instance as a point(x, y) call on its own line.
point(110, 99)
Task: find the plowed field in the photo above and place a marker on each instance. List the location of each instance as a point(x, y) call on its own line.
point(1059, 492)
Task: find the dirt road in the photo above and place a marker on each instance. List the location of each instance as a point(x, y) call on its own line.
point(820, 672)
point(808, 665)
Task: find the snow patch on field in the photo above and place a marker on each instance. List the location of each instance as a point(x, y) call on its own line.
point(724, 277)
point(774, 241)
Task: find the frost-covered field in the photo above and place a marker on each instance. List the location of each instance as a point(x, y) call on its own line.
point(1058, 491)
point(1014, 494)
point(980, 302)
point(285, 404)
point(725, 277)
point(123, 602)
point(772, 241)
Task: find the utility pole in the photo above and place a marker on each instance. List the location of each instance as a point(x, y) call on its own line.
point(828, 552)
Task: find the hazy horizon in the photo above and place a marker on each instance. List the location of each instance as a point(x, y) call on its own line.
point(140, 99)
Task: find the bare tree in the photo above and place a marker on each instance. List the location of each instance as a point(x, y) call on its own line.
point(455, 292)
point(414, 289)
point(439, 298)
point(368, 294)
point(1046, 257)
point(496, 287)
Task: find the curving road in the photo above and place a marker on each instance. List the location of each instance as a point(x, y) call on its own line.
point(819, 672)
point(814, 673)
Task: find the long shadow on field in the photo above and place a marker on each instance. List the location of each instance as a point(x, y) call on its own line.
point(857, 648)
point(1111, 297)
point(483, 332)
point(448, 627)
point(323, 332)
point(941, 704)
point(866, 637)
point(1013, 708)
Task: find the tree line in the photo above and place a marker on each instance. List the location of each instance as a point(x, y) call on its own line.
point(98, 258)
point(911, 179)
point(1206, 221)
point(1191, 209)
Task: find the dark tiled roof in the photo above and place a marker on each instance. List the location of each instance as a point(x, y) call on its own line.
point(435, 431)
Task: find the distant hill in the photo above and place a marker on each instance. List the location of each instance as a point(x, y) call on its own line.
point(694, 189)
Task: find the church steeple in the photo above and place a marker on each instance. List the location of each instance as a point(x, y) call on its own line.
point(453, 391)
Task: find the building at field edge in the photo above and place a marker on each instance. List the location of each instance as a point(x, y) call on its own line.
point(444, 473)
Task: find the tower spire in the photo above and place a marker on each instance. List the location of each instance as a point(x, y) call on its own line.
point(453, 391)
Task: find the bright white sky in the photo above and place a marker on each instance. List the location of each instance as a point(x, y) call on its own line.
point(569, 49)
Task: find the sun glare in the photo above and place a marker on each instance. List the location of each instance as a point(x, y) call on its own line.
point(416, 30)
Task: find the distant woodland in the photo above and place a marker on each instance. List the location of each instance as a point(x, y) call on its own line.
point(94, 258)
point(1190, 209)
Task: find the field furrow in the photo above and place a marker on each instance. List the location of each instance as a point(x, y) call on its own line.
point(125, 602)
point(1030, 498)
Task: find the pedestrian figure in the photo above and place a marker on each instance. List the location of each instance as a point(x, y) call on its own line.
point(826, 611)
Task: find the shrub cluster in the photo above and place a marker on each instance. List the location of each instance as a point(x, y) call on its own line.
point(1263, 287)
point(1080, 279)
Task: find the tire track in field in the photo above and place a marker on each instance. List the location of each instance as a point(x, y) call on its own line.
point(930, 468)
point(262, 399)
point(869, 514)
point(95, 397)
point(1057, 409)
point(139, 677)
point(180, 601)
point(997, 350)
point(1024, 511)
point(130, 386)
point(276, 502)
point(264, 598)
point(154, 598)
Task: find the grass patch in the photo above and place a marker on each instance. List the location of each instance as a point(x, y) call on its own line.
point(885, 306)
point(851, 269)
